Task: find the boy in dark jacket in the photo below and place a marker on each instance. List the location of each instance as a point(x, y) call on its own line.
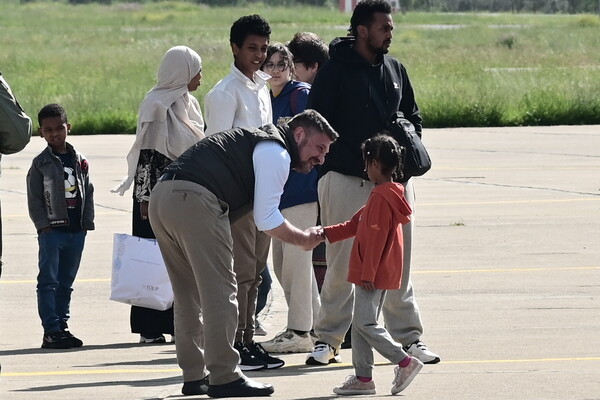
point(61, 206)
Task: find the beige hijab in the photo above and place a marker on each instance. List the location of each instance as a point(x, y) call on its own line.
point(169, 118)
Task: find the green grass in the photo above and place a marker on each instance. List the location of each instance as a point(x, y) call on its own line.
point(467, 69)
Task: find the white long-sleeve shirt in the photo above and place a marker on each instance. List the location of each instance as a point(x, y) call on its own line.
point(236, 101)
point(271, 170)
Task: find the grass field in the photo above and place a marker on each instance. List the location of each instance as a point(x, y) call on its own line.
point(467, 69)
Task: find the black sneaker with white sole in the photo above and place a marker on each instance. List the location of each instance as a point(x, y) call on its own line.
point(248, 360)
point(419, 350)
point(260, 353)
point(323, 354)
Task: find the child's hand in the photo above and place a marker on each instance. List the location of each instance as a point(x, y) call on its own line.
point(315, 236)
point(368, 285)
point(321, 233)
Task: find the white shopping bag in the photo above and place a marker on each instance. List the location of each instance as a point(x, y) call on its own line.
point(139, 275)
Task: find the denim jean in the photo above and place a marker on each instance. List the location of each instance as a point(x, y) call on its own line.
point(59, 257)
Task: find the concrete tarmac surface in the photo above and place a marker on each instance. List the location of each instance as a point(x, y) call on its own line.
point(506, 270)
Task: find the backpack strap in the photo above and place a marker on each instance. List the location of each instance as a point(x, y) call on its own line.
point(294, 100)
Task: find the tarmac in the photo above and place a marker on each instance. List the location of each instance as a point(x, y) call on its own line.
point(506, 270)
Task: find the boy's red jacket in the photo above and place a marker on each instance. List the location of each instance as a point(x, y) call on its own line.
point(378, 251)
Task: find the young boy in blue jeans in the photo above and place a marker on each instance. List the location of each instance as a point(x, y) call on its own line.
point(61, 206)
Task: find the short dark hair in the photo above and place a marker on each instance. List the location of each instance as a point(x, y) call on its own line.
point(386, 150)
point(283, 51)
point(52, 110)
point(248, 25)
point(312, 119)
point(309, 48)
point(364, 11)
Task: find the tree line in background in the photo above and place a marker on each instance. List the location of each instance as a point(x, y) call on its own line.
point(514, 6)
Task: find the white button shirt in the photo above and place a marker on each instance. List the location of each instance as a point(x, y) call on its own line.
point(236, 101)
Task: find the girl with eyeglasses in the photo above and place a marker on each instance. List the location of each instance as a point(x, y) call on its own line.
point(292, 265)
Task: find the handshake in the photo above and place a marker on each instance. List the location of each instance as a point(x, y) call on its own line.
point(314, 236)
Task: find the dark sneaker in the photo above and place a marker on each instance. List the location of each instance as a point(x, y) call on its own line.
point(195, 388)
point(248, 361)
point(56, 340)
point(243, 387)
point(259, 352)
point(153, 340)
point(347, 343)
point(75, 342)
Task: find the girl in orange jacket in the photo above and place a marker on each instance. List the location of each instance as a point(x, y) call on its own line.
point(376, 266)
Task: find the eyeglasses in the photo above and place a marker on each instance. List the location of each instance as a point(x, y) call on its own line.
point(280, 67)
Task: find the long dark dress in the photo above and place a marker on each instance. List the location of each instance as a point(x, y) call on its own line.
point(146, 321)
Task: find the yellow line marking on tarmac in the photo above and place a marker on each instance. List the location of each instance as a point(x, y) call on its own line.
point(522, 361)
point(470, 203)
point(446, 271)
point(459, 271)
point(527, 360)
point(177, 370)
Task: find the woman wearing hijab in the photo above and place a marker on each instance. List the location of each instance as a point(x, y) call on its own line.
point(169, 122)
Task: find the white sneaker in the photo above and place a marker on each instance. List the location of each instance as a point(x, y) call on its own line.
point(404, 376)
point(289, 341)
point(419, 350)
point(323, 354)
point(352, 385)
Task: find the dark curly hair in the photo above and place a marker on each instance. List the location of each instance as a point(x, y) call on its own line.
point(52, 110)
point(308, 48)
point(248, 25)
point(386, 150)
point(364, 11)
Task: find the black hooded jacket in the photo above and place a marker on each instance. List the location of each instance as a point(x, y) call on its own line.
point(343, 93)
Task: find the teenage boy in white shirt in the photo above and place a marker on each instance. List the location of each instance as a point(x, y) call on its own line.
point(242, 99)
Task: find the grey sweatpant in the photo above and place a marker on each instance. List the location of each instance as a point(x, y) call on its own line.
point(368, 334)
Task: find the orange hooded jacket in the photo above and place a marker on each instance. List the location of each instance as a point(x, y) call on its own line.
point(378, 252)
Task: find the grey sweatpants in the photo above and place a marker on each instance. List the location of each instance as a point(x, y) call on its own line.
point(368, 334)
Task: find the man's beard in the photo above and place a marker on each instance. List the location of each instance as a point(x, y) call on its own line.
point(304, 167)
point(378, 50)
